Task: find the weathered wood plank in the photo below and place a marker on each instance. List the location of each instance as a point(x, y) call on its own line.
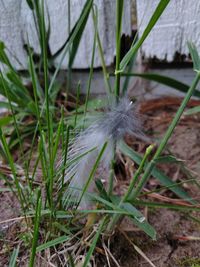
point(178, 24)
point(11, 31)
point(17, 28)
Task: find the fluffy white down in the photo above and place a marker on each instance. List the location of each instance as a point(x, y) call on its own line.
point(111, 127)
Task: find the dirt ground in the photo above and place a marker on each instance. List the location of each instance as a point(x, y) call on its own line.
point(170, 249)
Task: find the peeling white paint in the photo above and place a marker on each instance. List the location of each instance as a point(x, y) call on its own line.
point(17, 28)
point(178, 24)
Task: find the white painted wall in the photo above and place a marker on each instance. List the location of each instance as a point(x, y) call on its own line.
point(179, 23)
point(17, 26)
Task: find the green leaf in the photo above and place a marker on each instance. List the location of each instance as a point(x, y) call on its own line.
point(156, 173)
point(52, 243)
point(133, 50)
point(182, 87)
point(195, 56)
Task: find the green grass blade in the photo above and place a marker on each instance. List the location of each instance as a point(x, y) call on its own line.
point(153, 204)
point(71, 261)
point(132, 184)
point(4, 104)
point(101, 211)
point(45, 67)
point(44, 42)
point(36, 229)
point(146, 227)
point(165, 80)
point(19, 188)
point(30, 4)
point(133, 50)
point(166, 137)
point(13, 76)
point(16, 94)
point(21, 89)
point(69, 69)
point(38, 92)
point(13, 259)
point(119, 15)
point(96, 164)
point(43, 160)
point(66, 46)
point(58, 135)
point(103, 63)
point(125, 209)
point(92, 105)
point(137, 217)
point(94, 242)
point(113, 207)
point(76, 30)
point(77, 103)
point(35, 88)
point(156, 173)
point(65, 149)
point(192, 111)
point(92, 60)
point(195, 56)
point(5, 120)
point(168, 159)
point(136, 176)
point(77, 39)
point(127, 78)
point(3, 57)
point(62, 228)
point(52, 243)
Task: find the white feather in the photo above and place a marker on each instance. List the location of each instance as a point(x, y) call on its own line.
point(110, 128)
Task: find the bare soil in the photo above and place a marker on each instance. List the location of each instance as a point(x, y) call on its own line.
point(170, 249)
